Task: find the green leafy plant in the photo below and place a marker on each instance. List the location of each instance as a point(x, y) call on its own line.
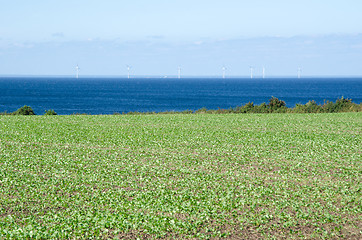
point(181, 176)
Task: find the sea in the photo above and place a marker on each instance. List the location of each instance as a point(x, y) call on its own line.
point(96, 95)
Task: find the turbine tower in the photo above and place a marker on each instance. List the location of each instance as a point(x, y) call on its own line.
point(179, 72)
point(263, 72)
point(77, 71)
point(128, 71)
point(223, 71)
point(251, 72)
point(299, 72)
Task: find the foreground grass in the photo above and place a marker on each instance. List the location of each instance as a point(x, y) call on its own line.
point(181, 176)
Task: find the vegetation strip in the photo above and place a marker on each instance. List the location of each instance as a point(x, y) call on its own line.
point(274, 106)
point(181, 176)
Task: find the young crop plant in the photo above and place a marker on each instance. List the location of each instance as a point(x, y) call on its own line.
point(181, 176)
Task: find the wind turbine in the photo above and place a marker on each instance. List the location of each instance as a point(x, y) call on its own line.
point(263, 72)
point(77, 71)
point(223, 71)
point(179, 72)
point(251, 72)
point(299, 72)
point(128, 71)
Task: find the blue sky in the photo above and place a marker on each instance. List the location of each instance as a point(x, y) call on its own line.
point(48, 37)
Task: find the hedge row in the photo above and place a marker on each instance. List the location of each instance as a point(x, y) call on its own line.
point(26, 110)
point(279, 106)
point(274, 106)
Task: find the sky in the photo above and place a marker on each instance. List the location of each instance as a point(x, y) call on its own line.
point(50, 37)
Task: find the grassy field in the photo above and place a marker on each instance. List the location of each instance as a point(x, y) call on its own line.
point(181, 176)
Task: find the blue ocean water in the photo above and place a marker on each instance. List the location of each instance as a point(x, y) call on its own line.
point(110, 95)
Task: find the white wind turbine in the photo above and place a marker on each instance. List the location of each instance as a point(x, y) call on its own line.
point(251, 72)
point(299, 72)
point(128, 71)
point(223, 71)
point(77, 71)
point(179, 72)
point(263, 72)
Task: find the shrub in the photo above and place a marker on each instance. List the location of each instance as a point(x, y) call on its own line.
point(201, 110)
point(25, 110)
point(276, 105)
point(50, 112)
point(310, 107)
point(187, 112)
point(247, 108)
point(341, 105)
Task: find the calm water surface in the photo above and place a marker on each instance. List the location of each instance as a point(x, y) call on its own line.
point(110, 95)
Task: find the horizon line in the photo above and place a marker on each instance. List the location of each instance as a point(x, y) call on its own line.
point(176, 76)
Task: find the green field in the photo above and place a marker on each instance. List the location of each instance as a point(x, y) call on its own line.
point(202, 176)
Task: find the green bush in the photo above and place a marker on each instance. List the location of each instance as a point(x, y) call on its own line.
point(201, 111)
point(247, 108)
point(50, 112)
point(341, 105)
point(187, 112)
point(310, 107)
point(276, 105)
point(262, 108)
point(25, 110)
